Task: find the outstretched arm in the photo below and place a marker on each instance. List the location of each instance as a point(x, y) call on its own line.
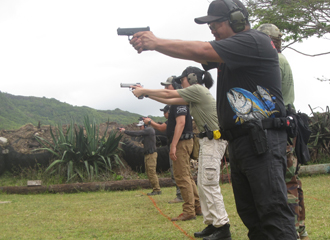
point(170, 101)
point(198, 51)
point(160, 93)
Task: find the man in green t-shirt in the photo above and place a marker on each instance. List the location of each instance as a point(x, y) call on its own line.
point(293, 183)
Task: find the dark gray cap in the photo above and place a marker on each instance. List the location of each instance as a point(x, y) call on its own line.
point(219, 11)
point(198, 73)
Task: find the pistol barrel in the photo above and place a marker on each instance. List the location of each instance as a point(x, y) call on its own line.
point(131, 31)
point(126, 85)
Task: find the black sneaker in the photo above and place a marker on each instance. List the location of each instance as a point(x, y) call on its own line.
point(154, 193)
point(206, 232)
point(221, 233)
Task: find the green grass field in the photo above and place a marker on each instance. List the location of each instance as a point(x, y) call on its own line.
point(133, 215)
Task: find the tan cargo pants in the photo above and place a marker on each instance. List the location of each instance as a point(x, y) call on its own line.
point(183, 177)
point(150, 163)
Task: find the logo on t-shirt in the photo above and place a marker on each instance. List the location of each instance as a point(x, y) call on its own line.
point(247, 106)
point(181, 110)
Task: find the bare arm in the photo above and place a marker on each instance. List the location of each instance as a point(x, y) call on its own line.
point(198, 51)
point(170, 101)
point(160, 93)
point(160, 127)
point(201, 52)
point(180, 123)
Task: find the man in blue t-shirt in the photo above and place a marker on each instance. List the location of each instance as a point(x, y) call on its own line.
point(249, 104)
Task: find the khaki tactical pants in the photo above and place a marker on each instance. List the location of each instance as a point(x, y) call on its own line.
point(183, 177)
point(213, 207)
point(150, 162)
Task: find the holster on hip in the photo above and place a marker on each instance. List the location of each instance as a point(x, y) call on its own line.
point(258, 136)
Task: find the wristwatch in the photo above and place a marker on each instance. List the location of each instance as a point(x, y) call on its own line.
point(149, 123)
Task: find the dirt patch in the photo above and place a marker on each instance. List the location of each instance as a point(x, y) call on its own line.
point(23, 140)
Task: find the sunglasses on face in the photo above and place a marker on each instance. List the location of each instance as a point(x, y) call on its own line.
point(212, 27)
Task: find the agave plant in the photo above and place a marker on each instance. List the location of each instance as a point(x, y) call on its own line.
point(100, 152)
point(82, 149)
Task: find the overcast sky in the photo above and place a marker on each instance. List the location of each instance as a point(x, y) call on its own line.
point(69, 50)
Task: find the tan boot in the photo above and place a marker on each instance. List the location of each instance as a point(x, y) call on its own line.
point(304, 237)
point(154, 193)
point(176, 200)
point(198, 211)
point(184, 217)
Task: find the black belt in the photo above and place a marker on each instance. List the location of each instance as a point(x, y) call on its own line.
point(269, 123)
point(186, 136)
point(202, 135)
point(231, 134)
point(241, 130)
point(149, 152)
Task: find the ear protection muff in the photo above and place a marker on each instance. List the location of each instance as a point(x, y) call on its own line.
point(175, 84)
point(236, 19)
point(192, 78)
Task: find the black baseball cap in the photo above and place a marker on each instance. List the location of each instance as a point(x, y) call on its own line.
point(165, 109)
point(189, 70)
point(219, 11)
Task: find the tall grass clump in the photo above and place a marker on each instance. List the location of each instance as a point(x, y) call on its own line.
point(81, 152)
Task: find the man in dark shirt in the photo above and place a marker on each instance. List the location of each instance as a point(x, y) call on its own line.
point(150, 153)
point(162, 128)
point(179, 133)
point(248, 94)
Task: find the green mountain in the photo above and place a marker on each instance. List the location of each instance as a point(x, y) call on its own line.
point(16, 111)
